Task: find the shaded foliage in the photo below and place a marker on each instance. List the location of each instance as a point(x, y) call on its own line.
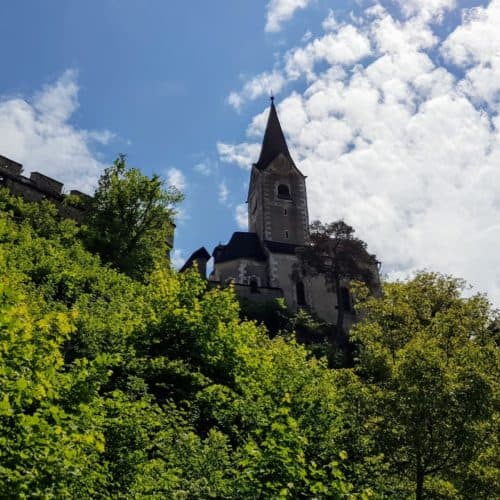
point(337, 255)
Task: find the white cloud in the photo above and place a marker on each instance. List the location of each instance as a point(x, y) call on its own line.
point(306, 36)
point(176, 178)
point(398, 145)
point(243, 154)
point(330, 23)
point(258, 86)
point(40, 135)
point(202, 168)
point(223, 193)
point(241, 216)
point(177, 258)
point(346, 46)
point(475, 46)
point(429, 9)
point(279, 11)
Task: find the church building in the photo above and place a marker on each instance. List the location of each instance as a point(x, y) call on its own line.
point(262, 263)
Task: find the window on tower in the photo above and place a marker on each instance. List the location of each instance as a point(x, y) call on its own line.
point(284, 192)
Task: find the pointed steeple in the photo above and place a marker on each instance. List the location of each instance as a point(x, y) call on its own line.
point(274, 141)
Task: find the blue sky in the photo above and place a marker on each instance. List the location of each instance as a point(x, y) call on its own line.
point(390, 108)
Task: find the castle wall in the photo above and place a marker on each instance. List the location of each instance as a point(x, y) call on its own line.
point(36, 188)
point(259, 296)
point(241, 270)
point(320, 299)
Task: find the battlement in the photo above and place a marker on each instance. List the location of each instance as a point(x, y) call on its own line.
point(40, 187)
point(10, 165)
point(37, 187)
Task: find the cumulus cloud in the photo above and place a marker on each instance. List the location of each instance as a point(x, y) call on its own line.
point(398, 144)
point(202, 168)
point(330, 23)
point(39, 134)
point(475, 45)
point(429, 9)
point(178, 258)
point(279, 11)
point(241, 216)
point(223, 193)
point(176, 178)
point(346, 46)
point(258, 86)
point(243, 154)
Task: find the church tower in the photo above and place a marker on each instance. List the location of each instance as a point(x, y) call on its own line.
point(262, 264)
point(277, 200)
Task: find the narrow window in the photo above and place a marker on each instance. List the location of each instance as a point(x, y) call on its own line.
point(286, 233)
point(283, 192)
point(346, 299)
point(301, 294)
point(285, 212)
point(254, 285)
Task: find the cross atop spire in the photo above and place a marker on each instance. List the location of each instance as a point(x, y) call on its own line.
point(274, 141)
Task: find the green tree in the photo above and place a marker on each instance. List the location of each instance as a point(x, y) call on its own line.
point(130, 219)
point(50, 440)
point(335, 253)
point(432, 354)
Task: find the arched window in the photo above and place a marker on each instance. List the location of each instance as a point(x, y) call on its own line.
point(301, 293)
point(254, 284)
point(283, 192)
point(346, 299)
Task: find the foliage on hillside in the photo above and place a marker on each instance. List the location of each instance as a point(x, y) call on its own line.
point(112, 387)
point(129, 220)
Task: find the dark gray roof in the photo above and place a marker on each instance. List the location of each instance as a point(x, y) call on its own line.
point(274, 141)
point(240, 246)
point(201, 253)
point(277, 247)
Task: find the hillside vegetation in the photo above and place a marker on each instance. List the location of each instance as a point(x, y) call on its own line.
point(114, 385)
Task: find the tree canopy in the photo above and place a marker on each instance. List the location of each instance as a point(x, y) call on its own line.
point(431, 358)
point(335, 253)
point(116, 387)
point(130, 219)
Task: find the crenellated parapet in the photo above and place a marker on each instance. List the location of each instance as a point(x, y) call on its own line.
point(37, 187)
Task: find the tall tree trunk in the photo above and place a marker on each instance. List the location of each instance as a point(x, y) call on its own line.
point(419, 479)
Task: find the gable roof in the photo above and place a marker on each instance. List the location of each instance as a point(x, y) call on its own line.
point(240, 246)
point(274, 141)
